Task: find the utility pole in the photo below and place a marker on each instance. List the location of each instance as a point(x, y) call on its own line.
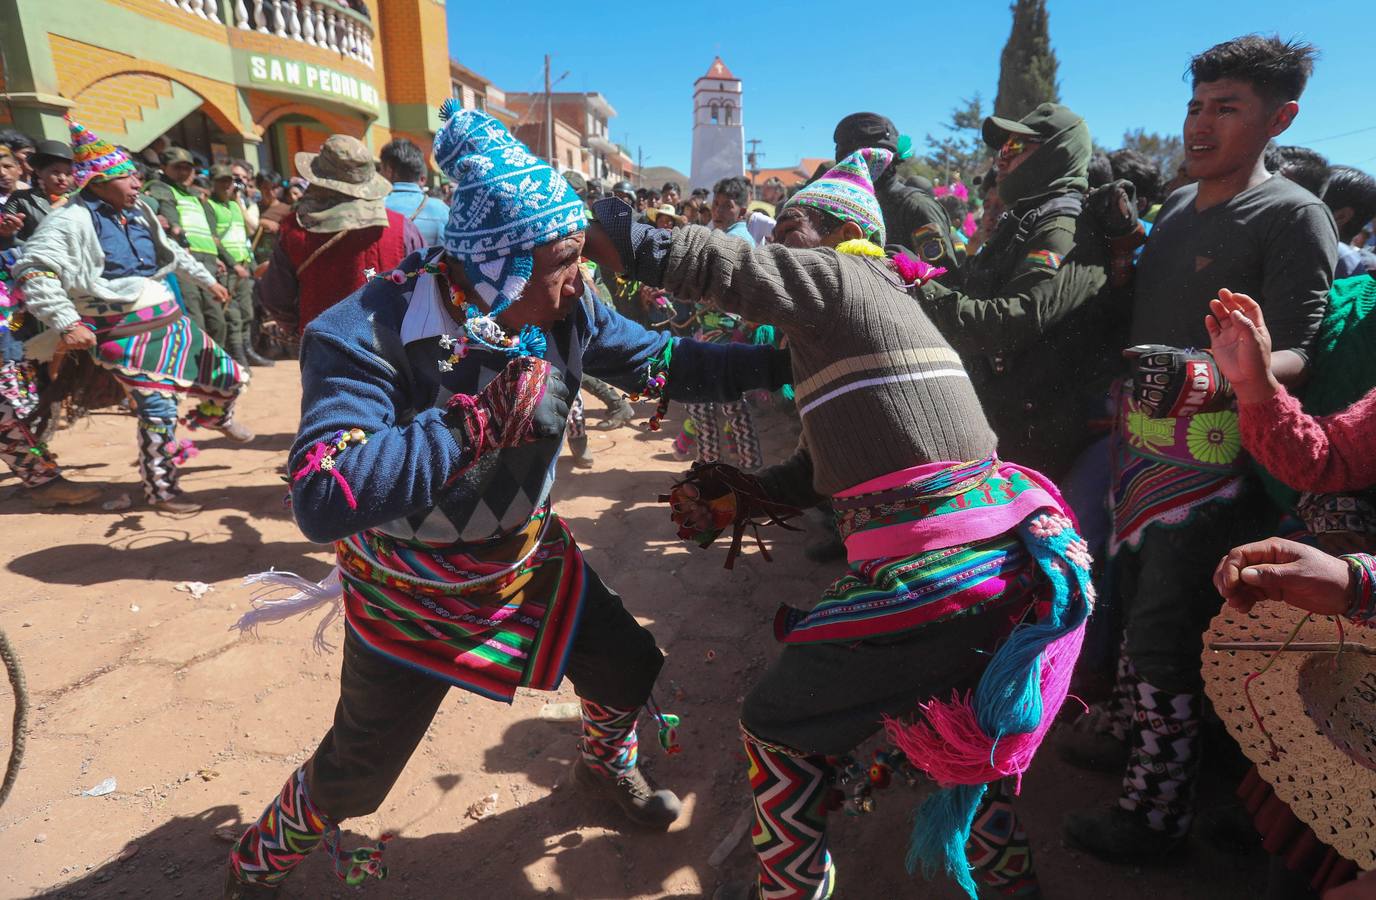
point(639, 166)
point(549, 118)
point(753, 157)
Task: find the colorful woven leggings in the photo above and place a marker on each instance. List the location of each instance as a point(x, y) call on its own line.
point(1164, 764)
point(159, 449)
point(288, 830)
point(22, 450)
point(747, 443)
point(790, 833)
point(610, 744)
point(1120, 704)
point(998, 848)
point(211, 414)
point(578, 426)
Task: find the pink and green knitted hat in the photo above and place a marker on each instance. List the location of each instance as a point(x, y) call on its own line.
point(847, 191)
point(94, 158)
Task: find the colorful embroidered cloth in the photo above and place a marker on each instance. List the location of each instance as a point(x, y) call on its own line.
point(938, 505)
point(487, 617)
point(955, 528)
point(158, 349)
point(1165, 469)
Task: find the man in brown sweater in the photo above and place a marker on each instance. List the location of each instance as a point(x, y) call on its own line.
point(935, 529)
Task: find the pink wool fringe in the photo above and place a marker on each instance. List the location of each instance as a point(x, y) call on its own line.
point(951, 747)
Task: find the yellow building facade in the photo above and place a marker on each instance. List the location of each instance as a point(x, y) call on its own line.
point(258, 79)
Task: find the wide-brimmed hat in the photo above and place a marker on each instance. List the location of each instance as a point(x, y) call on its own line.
point(45, 152)
point(345, 166)
point(1318, 705)
point(654, 212)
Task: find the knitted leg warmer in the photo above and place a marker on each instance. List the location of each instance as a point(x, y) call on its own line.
point(1120, 704)
point(744, 435)
point(704, 417)
point(289, 829)
point(790, 833)
point(610, 745)
point(578, 426)
point(22, 450)
point(1164, 766)
point(211, 414)
point(159, 452)
point(998, 848)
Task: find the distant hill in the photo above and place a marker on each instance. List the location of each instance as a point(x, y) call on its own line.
point(656, 176)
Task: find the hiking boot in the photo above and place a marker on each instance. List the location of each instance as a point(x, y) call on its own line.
point(1092, 751)
point(176, 506)
point(582, 459)
point(256, 360)
point(639, 799)
point(1117, 836)
point(60, 492)
point(235, 432)
point(239, 890)
point(621, 414)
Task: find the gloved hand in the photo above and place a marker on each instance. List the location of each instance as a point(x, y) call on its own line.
point(1114, 205)
point(528, 401)
point(712, 497)
point(1169, 382)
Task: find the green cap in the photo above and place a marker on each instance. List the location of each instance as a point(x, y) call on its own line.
point(219, 171)
point(177, 155)
point(1042, 123)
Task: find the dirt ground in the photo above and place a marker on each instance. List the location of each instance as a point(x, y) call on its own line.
point(133, 680)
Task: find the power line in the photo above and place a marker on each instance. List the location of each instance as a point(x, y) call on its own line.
point(1334, 137)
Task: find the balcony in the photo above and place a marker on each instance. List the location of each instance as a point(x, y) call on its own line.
point(326, 24)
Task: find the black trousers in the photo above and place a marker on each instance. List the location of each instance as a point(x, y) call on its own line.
point(385, 708)
point(825, 699)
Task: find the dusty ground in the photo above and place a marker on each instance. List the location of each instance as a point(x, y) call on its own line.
point(133, 680)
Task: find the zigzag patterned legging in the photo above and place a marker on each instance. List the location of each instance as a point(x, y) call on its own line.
point(22, 450)
point(704, 416)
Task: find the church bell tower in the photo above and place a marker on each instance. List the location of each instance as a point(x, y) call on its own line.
point(718, 133)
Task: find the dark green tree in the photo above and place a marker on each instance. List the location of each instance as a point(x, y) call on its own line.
point(1027, 68)
point(959, 154)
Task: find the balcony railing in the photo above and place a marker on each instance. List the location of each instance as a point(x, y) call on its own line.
point(317, 23)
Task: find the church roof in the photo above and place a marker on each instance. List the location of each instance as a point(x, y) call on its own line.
point(719, 71)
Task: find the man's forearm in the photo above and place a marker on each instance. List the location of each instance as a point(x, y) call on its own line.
point(1289, 368)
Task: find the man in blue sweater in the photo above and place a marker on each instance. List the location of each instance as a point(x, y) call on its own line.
point(433, 408)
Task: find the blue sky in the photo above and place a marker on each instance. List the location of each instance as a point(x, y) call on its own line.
point(806, 64)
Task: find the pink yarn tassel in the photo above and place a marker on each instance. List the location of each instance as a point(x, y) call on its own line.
point(318, 454)
point(951, 747)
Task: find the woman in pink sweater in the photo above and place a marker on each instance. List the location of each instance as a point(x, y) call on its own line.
point(1321, 454)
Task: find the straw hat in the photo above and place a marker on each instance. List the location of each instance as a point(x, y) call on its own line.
point(1320, 709)
point(654, 212)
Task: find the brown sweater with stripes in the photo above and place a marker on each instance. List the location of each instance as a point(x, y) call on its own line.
point(878, 388)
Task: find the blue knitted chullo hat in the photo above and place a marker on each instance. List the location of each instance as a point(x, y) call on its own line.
point(506, 202)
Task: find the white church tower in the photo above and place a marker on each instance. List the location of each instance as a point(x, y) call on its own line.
point(718, 135)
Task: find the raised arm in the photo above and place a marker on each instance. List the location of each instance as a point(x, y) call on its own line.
point(773, 284)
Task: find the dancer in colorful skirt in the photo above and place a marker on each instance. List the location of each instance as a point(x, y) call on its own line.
point(966, 572)
point(94, 274)
point(434, 403)
point(22, 447)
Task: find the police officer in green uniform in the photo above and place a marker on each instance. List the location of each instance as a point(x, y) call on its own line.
point(913, 217)
point(1033, 317)
point(226, 215)
point(182, 214)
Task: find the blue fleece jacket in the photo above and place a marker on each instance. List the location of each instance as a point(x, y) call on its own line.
point(409, 479)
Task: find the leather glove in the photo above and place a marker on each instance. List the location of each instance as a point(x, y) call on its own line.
point(528, 401)
point(1114, 205)
point(1169, 382)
